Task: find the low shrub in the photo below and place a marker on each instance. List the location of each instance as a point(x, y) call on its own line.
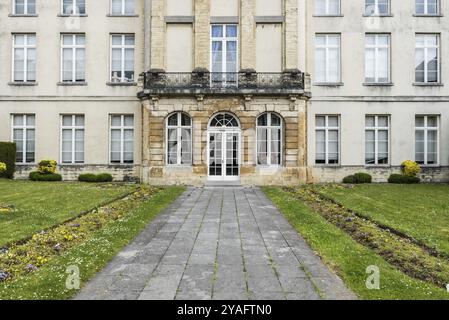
point(358, 178)
point(403, 179)
point(38, 176)
point(90, 177)
point(8, 157)
point(410, 168)
point(2, 167)
point(47, 166)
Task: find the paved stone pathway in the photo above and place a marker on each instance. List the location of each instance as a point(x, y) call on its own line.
point(217, 243)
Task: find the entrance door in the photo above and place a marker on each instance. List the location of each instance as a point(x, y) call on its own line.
point(224, 155)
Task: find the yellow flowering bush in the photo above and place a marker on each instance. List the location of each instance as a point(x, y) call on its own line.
point(2, 167)
point(47, 166)
point(410, 168)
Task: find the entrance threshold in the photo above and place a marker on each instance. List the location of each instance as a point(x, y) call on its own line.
point(235, 183)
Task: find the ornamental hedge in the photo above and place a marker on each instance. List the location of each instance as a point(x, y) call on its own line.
point(403, 179)
point(90, 177)
point(37, 176)
point(8, 157)
point(358, 178)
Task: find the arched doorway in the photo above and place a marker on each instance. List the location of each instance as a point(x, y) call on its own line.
point(223, 144)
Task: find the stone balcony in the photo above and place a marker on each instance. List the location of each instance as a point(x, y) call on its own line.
point(201, 82)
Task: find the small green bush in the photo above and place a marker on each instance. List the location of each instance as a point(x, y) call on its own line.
point(37, 176)
point(8, 157)
point(358, 178)
point(403, 179)
point(90, 177)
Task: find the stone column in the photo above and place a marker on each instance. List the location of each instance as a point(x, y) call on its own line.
point(157, 34)
point(202, 34)
point(291, 34)
point(145, 140)
point(248, 34)
point(302, 140)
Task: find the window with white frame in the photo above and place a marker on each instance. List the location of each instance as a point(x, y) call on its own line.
point(24, 58)
point(122, 58)
point(377, 135)
point(72, 139)
point(327, 133)
point(269, 140)
point(427, 58)
point(179, 139)
point(224, 41)
point(327, 7)
point(24, 7)
point(122, 7)
point(23, 134)
point(377, 7)
point(426, 139)
point(377, 58)
point(73, 7)
point(427, 7)
point(73, 47)
point(122, 139)
point(327, 58)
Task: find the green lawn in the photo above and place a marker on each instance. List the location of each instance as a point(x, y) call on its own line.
point(348, 258)
point(420, 211)
point(40, 205)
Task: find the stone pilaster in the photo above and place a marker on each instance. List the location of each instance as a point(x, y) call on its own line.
point(291, 34)
point(157, 34)
point(248, 34)
point(202, 34)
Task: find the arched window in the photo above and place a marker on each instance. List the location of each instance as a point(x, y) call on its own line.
point(222, 120)
point(179, 139)
point(269, 140)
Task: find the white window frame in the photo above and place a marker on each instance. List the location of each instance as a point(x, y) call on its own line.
point(376, 130)
point(376, 9)
point(73, 127)
point(326, 129)
point(123, 48)
point(74, 47)
point(122, 12)
point(179, 129)
point(377, 48)
point(327, 48)
point(25, 48)
point(74, 8)
point(269, 127)
point(224, 41)
point(327, 10)
point(122, 129)
point(426, 47)
point(25, 127)
point(426, 9)
point(25, 8)
point(426, 130)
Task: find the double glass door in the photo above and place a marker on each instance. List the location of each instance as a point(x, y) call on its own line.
point(224, 155)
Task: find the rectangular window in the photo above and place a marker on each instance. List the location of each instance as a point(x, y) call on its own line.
point(72, 139)
point(427, 7)
point(73, 7)
point(327, 7)
point(122, 139)
point(24, 58)
point(327, 58)
point(23, 134)
point(377, 58)
point(427, 58)
point(377, 135)
point(122, 7)
point(377, 7)
point(426, 140)
point(122, 58)
point(224, 54)
point(73, 47)
point(24, 7)
point(327, 139)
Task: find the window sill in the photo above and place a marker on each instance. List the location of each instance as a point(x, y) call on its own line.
point(71, 84)
point(21, 164)
point(71, 164)
point(62, 15)
point(22, 84)
point(377, 166)
point(328, 84)
point(428, 15)
point(110, 15)
point(23, 15)
point(332, 166)
point(429, 84)
point(389, 15)
point(328, 15)
point(122, 165)
point(430, 166)
point(378, 84)
point(121, 84)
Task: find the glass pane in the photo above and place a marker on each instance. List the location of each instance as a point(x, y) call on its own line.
point(129, 121)
point(116, 121)
point(217, 31)
point(18, 120)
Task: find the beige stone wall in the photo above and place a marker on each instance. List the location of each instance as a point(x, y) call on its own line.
point(292, 171)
